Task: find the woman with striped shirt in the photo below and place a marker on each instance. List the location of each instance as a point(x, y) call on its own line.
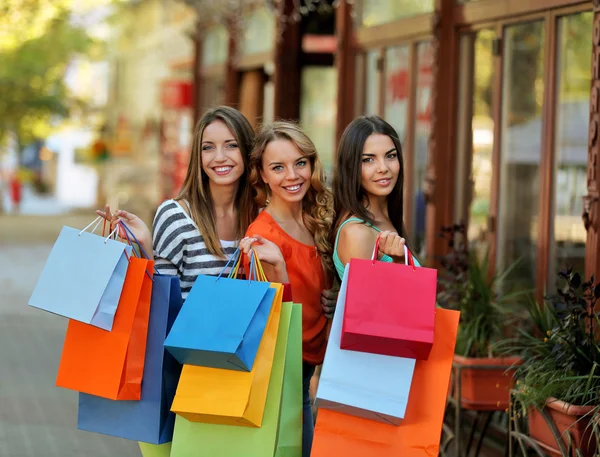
point(198, 231)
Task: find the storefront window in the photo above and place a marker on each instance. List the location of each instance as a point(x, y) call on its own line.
point(573, 67)
point(377, 12)
point(259, 32)
point(372, 83)
point(318, 110)
point(425, 54)
point(397, 85)
point(522, 98)
point(215, 46)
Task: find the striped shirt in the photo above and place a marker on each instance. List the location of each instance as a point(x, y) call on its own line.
point(179, 248)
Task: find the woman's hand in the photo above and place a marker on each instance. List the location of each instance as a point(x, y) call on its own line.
point(392, 244)
point(139, 229)
point(329, 300)
point(267, 252)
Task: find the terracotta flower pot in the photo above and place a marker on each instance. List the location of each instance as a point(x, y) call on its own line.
point(569, 419)
point(486, 389)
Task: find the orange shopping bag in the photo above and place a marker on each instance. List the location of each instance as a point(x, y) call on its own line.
point(111, 364)
point(418, 435)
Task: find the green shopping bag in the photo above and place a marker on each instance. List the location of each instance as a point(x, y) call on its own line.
point(194, 439)
point(289, 433)
point(155, 450)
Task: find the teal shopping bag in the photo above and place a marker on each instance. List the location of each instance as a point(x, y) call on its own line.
point(83, 277)
point(222, 321)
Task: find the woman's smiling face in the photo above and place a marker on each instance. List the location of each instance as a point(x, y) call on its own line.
point(286, 171)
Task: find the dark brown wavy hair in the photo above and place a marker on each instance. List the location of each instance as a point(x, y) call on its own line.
point(349, 196)
point(195, 188)
point(317, 205)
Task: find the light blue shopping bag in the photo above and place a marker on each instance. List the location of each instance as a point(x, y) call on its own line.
point(371, 386)
point(221, 323)
point(83, 278)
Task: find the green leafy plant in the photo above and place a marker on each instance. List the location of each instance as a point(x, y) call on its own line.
point(560, 350)
point(486, 304)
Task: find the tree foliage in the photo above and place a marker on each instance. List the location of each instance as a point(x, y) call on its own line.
point(38, 40)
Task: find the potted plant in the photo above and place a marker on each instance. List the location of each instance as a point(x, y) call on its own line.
point(560, 374)
point(487, 310)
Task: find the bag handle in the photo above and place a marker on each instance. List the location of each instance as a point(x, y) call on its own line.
point(256, 272)
point(95, 221)
point(128, 231)
point(408, 258)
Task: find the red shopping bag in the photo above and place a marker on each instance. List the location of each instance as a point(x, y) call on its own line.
point(390, 308)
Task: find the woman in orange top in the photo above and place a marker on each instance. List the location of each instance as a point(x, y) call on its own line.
point(291, 237)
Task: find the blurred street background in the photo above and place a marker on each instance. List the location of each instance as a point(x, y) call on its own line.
point(98, 99)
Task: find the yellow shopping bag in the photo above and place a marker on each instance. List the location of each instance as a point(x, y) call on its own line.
point(219, 396)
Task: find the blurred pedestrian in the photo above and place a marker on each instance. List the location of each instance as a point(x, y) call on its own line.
point(15, 192)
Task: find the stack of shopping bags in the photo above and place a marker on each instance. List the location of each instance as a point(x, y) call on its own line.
point(240, 392)
point(119, 315)
point(386, 373)
point(227, 362)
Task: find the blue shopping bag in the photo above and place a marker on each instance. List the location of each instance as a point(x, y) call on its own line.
point(222, 322)
point(148, 420)
point(371, 386)
point(83, 277)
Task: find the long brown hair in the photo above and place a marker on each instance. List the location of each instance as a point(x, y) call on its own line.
point(195, 188)
point(317, 205)
point(347, 180)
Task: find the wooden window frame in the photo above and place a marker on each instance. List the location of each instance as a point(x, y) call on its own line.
point(550, 18)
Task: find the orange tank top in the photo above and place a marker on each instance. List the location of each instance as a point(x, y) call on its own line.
point(307, 278)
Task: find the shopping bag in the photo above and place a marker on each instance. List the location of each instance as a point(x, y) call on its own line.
point(289, 431)
point(209, 440)
point(83, 277)
point(221, 323)
point(390, 308)
point(372, 386)
point(148, 420)
point(341, 435)
point(111, 364)
point(155, 450)
point(220, 396)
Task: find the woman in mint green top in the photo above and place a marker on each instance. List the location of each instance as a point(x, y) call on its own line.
point(368, 192)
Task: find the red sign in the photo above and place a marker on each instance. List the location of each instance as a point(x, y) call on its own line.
point(176, 94)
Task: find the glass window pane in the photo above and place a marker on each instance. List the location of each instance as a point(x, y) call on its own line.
point(482, 130)
point(371, 83)
point(397, 66)
point(376, 12)
point(215, 46)
point(259, 32)
point(522, 96)
point(318, 110)
point(573, 68)
point(425, 55)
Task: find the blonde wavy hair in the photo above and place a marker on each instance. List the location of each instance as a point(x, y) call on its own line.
point(317, 205)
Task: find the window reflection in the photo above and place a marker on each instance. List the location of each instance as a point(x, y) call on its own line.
point(376, 12)
point(425, 60)
point(523, 88)
point(570, 146)
point(397, 85)
point(318, 110)
point(371, 83)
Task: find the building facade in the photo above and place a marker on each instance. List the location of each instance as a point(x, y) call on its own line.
point(491, 99)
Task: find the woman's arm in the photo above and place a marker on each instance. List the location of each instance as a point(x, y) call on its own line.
point(357, 241)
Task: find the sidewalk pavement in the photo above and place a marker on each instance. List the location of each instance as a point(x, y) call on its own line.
point(38, 419)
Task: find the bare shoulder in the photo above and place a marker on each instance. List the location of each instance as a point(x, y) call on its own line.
point(356, 240)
